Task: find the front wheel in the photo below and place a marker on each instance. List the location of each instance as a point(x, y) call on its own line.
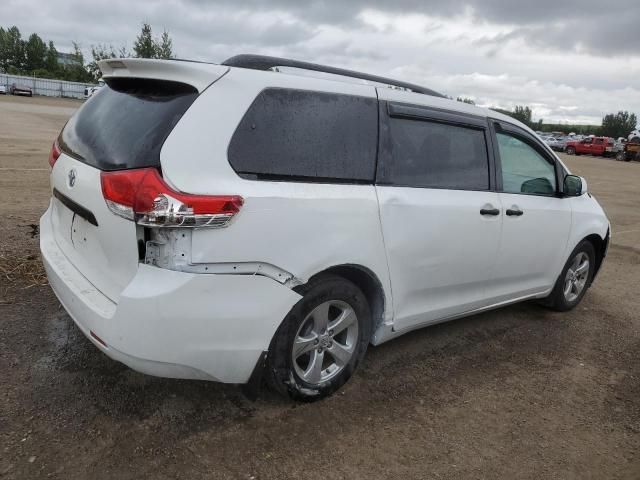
point(574, 280)
point(620, 156)
point(321, 341)
point(571, 151)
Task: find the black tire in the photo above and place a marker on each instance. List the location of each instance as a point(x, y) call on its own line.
point(557, 299)
point(281, 373)
point(571, 151)
point(620, 156)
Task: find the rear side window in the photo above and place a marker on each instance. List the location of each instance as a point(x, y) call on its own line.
point(307, 136)
point(435, 155)
point(125, 124)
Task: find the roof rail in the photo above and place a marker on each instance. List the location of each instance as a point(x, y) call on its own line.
point(263, 62)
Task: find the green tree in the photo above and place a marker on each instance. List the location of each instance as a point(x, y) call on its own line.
point(103, 52)
point(15, 49)
point(35, 51)
point(145, 46)
point(523, 114)
point(465, 100)
point(76, 72)
point(4, 50)
point(619, 124)
point(165, 48)
point(51, 59)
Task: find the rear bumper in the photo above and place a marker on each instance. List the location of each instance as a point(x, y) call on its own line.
point(173, 324)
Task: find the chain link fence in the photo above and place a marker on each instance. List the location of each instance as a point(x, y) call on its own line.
point(45, 86)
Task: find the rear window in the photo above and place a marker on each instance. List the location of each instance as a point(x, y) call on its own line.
point(125, 124)
point(299, 135)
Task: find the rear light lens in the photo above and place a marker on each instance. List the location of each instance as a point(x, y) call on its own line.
point(54, 153)
point(143, 196)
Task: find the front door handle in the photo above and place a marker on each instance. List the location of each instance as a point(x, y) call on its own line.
point(511, 212)
point(489, 211)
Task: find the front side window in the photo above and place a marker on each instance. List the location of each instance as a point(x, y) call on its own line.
point(524, 170)
point(430, 154)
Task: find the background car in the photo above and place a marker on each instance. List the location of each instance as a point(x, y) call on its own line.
point(20, 89)
point(89, 91)
point(590, 145)
point(3, 90)
point(557, 143)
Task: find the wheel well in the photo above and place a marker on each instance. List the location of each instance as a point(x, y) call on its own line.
point(600, 246)
point(366, 281)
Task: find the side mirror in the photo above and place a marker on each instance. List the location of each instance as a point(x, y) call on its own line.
point(574, 186)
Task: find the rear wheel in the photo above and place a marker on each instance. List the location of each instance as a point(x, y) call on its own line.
point(571, 151)
point(574, 280)
point(620, 156)
point(321, 341)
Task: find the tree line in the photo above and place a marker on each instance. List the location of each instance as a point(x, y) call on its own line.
point(36, 57)
point(613, 124)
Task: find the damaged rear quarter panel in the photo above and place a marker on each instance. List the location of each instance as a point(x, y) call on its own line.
point(302, 229)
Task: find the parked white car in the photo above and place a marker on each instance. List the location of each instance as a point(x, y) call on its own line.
point(634, 136)
point(3, 90)
point(90, 91)
point(278, 224)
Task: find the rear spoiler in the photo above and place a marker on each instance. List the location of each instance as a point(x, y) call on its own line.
point(198, 74)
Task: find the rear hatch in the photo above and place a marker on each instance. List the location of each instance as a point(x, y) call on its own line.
point(121, 127)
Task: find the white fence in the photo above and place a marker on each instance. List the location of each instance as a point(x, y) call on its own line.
point(45, 86)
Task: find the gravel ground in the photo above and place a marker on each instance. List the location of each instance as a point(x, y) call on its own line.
point(514, 393)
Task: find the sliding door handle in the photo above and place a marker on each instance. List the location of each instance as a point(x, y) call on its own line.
point(489, 211)
point(511, 212)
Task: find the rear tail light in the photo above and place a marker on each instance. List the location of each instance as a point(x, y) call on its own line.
point(54, 153)
point(143, 196)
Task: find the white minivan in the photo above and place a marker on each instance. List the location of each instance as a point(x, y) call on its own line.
point(236, 222)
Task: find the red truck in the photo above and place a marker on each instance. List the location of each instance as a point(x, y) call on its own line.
point(600, 146)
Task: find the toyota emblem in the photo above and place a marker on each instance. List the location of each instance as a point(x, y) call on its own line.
point(72, 177)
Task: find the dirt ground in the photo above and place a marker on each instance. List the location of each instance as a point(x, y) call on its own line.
point(515, 393)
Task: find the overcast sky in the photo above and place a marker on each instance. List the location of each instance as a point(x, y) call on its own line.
point(570, 60)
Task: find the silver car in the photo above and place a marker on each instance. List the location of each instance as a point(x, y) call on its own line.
point(557, 143)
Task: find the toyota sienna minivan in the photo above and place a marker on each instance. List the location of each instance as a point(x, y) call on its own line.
point(268, 218)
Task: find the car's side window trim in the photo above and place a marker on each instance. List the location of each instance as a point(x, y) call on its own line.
point(388, 110)
point(416, 112)
point(498, 126)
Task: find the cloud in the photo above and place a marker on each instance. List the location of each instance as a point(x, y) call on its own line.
point(571, 60)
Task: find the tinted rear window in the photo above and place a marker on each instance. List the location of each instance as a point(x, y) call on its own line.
point(435, 155)
point(125, 124)
point(307, 136)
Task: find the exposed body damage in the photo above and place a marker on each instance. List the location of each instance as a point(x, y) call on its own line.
point(171, 249)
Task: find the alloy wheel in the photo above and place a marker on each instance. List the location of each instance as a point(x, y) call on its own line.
point(576, 277)
point(325, 342)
